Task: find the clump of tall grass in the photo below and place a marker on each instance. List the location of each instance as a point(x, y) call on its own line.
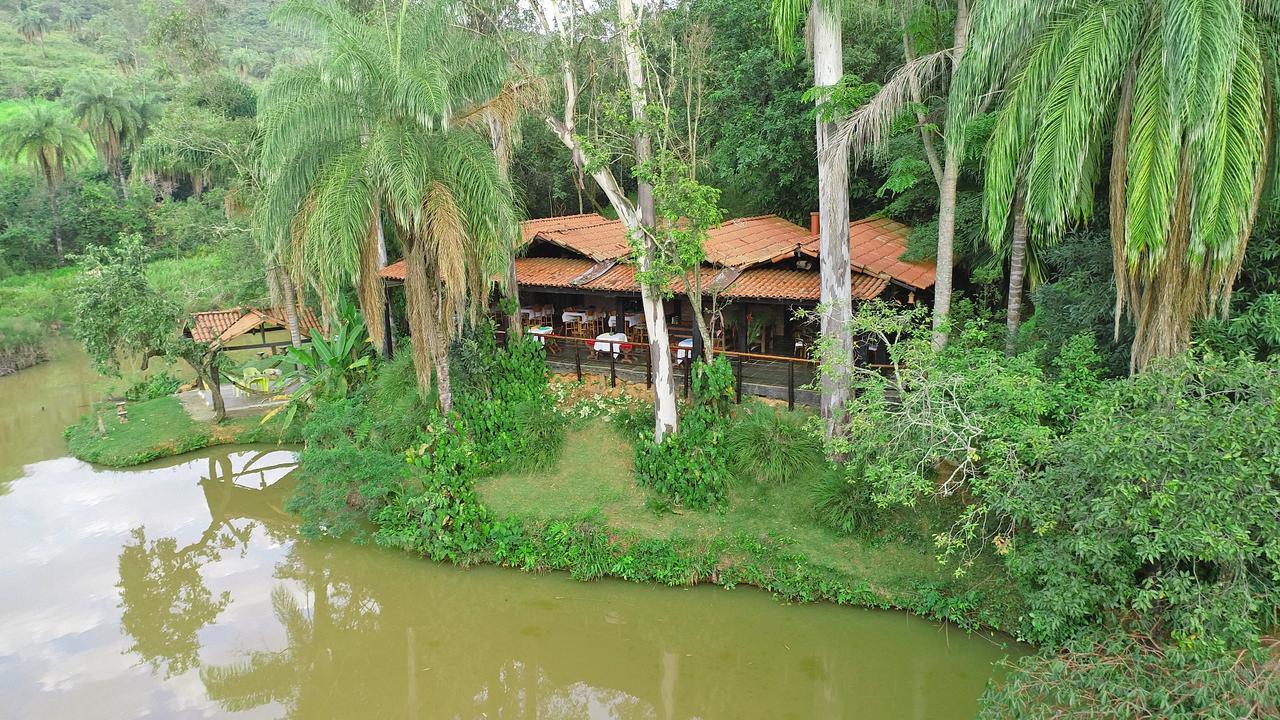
point(774, 447)
point(843, 500)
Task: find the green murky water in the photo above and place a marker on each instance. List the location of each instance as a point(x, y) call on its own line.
point(180, 590)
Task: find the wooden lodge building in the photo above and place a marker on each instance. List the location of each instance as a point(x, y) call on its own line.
point(575, 281)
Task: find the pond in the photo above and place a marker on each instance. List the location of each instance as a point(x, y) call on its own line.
point(181, 589)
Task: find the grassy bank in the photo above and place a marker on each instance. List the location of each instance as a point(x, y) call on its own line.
point(161, 428)
point(21, 344)
point(587, 515)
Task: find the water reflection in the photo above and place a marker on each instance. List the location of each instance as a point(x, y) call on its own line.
point(180, 590)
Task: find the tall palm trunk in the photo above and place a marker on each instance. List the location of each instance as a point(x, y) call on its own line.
point(418, 302)
point(499, 137)
point(290, 307)
point(1017, 271)
point(664, 386)
point(833, 209)
point(947, 199)
point(372, 298)
point(54, 218)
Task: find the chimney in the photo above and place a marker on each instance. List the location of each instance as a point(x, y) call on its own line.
point(814, 222)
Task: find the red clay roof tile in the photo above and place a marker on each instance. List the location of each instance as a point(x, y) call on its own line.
point(875, 246)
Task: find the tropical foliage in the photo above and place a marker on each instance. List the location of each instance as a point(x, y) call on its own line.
point(378, 128)
point(1184, 92)
point(44, 137)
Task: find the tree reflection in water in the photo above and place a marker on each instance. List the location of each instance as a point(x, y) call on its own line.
point(164, 602)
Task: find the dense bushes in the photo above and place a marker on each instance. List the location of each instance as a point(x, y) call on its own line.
point(691, 467)
point(844, 501)
point(1132, 676)
point(154, 386)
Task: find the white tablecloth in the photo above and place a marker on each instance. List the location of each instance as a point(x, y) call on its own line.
point(632, 319)
point(538, 332)
point(683, 353)
point(610, 341)
point(573, 315)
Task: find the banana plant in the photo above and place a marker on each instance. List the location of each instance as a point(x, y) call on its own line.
point(327, 368)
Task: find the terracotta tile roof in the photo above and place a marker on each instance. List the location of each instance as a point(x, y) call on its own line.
point(551, 272)
point(226, 325)
point(206, 326)
point(599, 241)
point(530, 228)
point(394, 271)
point(783, 284)
point(753, 240)
point(875, 244)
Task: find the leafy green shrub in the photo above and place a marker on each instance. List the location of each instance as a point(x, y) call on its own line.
point(774, 447)
point(157, 385)
point(1124, 676)
point(1160, 506)
point(543, 431)
point(690, 466)
point(844, 501)
point(342, 488)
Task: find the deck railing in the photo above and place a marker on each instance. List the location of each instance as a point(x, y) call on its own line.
point(775, 376)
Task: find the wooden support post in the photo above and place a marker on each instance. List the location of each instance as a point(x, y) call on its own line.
point(791, 386)
point(688, 370)
point(788, 333)
point(738, 389)
point(648, 368)
point(742, 327)
point(613, 368)
point(387, 343)
point(577, 359)
point(620, 323)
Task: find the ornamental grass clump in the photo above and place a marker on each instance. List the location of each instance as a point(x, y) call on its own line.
point(774, 447)
point(844, 501)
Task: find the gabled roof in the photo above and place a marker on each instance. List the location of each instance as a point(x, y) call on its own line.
point(875, 246)
point(599, 241)
point(754, 240)
point(223, 326)
point(766, 283)
point(530, 228)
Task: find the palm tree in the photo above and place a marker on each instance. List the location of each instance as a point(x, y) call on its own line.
point(73, 16)
point(243, 61)
point(112, 116)
point(32, 24)
point(825, 19)
point(369, 132)
point(43, 136)
point(1186, 94)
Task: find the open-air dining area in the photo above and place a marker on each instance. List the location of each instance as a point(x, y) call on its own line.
point(578, 295)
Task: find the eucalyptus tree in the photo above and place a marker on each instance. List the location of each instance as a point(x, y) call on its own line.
point(386, 124)
point(113, 116)
point(826, 18)
point(43, 136)
point(1182, 92)
point(559, 21)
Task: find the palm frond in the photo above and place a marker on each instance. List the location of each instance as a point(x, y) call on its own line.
point(871, 125)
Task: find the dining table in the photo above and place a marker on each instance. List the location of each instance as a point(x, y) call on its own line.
point(615, 342)
point(541, 332)
point(631, 319)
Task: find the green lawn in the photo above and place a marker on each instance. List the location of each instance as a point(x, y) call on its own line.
point(161, 428)
point(595, 474)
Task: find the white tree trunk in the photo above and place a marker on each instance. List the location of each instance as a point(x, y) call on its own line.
point(664, 384)
point(833, 210)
